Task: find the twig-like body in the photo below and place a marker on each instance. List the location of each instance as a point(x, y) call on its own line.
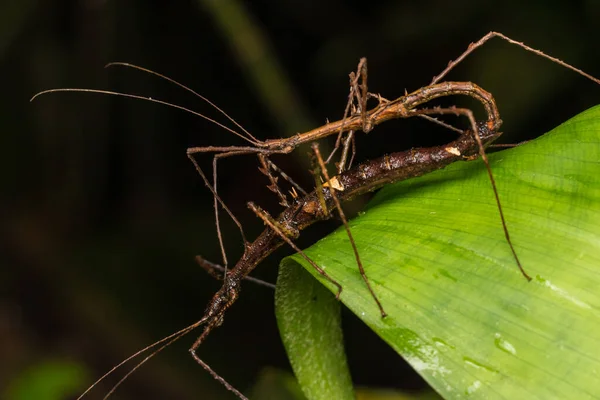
point(365, 178)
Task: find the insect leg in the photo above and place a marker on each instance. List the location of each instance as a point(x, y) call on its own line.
point(286, 233)
point(490, 35)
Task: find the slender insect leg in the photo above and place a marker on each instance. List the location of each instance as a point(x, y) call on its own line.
point(218, 156)
point(285, 232)
point(216, 376)
point(469, 114)
point(361, 91)
point(285, 176)
point(171, 339)
point(349, 143)
point(212, 269)
point(353, 153)
point(214, 322)
point(338, 205)
point(218, 200)
point(507, 145)
point(316, 173)
point(266, 166)
point(218, 272)
point(442, 123)
point(359, 94)
point(429, 118)
point(273, 187)
point(490, 35)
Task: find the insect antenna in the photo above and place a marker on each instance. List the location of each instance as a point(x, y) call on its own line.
point(181, 85)
point(150, 99)
point(168, 339)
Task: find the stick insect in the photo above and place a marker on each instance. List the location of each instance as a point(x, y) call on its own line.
point(315, 206)
point(402, 107)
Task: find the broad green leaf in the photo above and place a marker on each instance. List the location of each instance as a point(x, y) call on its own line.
point(459, 310)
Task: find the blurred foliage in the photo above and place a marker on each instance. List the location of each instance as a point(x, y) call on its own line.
point(275, 384)
point(48, 380)
point(102, 213)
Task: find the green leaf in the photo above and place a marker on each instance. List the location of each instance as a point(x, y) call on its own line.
point(48, 380)
point(459, 310)
point(319, 361)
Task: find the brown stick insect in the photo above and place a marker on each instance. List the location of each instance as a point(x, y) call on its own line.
point(402, 107)
point(317, 206)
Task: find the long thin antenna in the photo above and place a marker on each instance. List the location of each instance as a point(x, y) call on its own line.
point(181, 85)
point(170, 339)
point(150, 99)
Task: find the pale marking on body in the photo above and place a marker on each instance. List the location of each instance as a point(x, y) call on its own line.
point(335, 183)
point(453, 150)
point(362, 172)
point(387, 162)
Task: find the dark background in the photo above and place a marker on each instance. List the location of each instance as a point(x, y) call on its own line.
point(101, 212)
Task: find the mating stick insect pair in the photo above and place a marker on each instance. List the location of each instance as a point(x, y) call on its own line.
point(348, 183)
